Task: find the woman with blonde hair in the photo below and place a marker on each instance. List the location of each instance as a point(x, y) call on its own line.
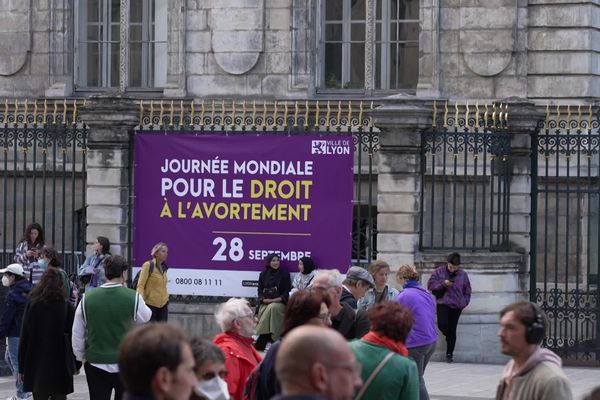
point(152, 283)
point(379, 270)
point(423, 336)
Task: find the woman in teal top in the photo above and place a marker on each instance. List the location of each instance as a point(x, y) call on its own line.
point(398, 379)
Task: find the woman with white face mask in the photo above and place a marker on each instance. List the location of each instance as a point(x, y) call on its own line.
point(10, 322)
point(210, 370)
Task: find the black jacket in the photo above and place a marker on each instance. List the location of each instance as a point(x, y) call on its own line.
point(348, 298)
point(43, 348)
point(274, 278)
point(350, 323)
point(16, 299)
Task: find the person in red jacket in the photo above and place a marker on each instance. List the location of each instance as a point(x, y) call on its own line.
point(237, 323)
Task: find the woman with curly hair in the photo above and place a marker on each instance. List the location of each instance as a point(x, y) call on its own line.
point(28, 252)
point(387, 372)
point(46, 362)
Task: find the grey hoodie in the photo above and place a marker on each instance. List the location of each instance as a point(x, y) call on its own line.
point(541, 378)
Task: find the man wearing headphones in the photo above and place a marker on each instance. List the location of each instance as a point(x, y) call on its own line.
point(533, 373)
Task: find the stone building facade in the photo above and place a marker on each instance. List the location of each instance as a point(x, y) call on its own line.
point(401, 54)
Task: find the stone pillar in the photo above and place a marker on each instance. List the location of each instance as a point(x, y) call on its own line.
point(522, 122)
point(401, 121)
point(110, 120)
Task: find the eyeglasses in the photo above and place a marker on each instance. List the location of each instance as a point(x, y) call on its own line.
point(251, 315)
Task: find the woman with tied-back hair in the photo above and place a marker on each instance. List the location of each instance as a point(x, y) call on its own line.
point(152, 282)
point(49, 258)
point(91, 272)
point(379, 270)
point(45, 352)
point(27, 251)
point(274, 285)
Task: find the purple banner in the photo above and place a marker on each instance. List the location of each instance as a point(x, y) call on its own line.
point(222, 203)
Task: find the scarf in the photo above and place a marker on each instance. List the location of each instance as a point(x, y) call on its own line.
point(380, 340)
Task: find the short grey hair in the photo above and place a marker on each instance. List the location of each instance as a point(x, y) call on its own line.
point(333, 276)
point(229, 311)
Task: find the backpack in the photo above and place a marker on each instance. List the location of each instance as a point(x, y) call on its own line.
point(135, 280)
point(252, 384)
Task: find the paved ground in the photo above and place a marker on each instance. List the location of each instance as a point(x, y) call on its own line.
point(444, 382)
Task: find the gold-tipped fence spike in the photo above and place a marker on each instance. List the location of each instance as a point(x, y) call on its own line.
point(360, 114)
point(500, 114)
point(161, 114)
point(579, 117)
point(192, 112)
point(141, 118)
point(233, 111)
point(477, 115)
point(568, 116)
point(212, 114)
point(557, 113)
point(547, 120)
point(371, 123)
point(296, 111)
point(202, 112)
point(274, 115)
point(25, 111)
point(151, 112)
point(264, 119)
point(327, 115)
point(253, 113)
point(349, 123)
point(6, 111)
point(485, 116)
point(433, 122)
point(317, 114)
point(54, 112)
point(456, 115)
point(181, 110)
point(467, 115)
point(244, 114)
point(339, 115)
point(493, 115)
point(64, 111)
point(285, 114)
point(223, 113)
point(171, 114)
point(74, 121)
point(306, 114)
point(35, 112)
point(16, 110)
point(446, 114)
point(506, 115)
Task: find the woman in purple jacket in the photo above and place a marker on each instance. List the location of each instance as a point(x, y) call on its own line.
point(452, 289)
point(423, 336)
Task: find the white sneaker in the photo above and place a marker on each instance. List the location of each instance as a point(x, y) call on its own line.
point(12, 398)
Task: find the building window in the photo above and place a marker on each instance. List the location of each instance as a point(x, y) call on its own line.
point(345, 44)
point(99, 62)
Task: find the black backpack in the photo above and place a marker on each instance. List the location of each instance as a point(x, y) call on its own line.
point(135, 280)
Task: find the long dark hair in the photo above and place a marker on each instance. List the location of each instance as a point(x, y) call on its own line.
point(50, 287)
point(105, 243)
point(26, 235)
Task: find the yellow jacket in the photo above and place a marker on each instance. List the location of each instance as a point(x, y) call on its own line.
point(153, 287)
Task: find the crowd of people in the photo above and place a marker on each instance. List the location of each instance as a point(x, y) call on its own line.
point(321, 335)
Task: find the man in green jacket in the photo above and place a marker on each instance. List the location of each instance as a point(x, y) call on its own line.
point(533, 373)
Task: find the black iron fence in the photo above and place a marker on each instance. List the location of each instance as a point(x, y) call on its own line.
point(565, 230)
point(465, 187)
point(43, 160)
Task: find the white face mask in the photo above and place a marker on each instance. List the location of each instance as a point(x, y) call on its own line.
point(5, 281)
point(212, 389)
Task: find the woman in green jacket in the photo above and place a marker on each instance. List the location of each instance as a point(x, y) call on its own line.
point(387, 372)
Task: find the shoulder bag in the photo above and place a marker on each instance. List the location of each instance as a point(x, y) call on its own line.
point(373, 375)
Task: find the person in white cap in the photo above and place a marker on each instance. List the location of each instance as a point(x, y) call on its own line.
point(10, 322)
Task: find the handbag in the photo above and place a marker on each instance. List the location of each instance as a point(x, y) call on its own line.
point(381, 364)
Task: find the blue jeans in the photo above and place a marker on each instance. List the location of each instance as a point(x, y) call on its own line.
point(12, 359)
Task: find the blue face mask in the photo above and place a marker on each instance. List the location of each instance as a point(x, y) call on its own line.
point(43, 264)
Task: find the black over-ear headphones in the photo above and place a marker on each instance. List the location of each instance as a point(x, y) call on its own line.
point(536, 330)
